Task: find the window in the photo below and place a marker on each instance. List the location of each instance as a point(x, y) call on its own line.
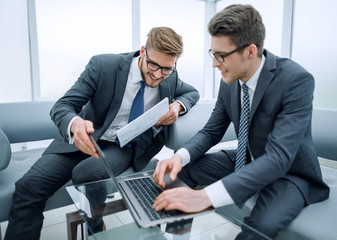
point(314, 47)
point(14, 52)
point(186, 17)
point(70, 32)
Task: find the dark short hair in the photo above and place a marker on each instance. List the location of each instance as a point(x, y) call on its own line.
point(165, 40)
point(242, 23)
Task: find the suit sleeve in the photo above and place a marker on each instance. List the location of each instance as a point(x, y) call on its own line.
point(186, 94)
point(213, 131)
point(76, 97)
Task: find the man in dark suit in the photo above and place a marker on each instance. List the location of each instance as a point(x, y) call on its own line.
point(275, 156)
point(99, 103)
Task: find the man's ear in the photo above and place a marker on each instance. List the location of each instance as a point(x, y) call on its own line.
point(252, 50)
point(142, 50)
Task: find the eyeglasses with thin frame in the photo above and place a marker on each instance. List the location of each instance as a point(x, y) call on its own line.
point(154, 66)
point(221, 57)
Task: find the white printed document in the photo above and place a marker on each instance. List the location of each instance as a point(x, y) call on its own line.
point(143, 122)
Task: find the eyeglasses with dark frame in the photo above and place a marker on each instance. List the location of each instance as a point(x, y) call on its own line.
point(221, 57)
point(154, 66)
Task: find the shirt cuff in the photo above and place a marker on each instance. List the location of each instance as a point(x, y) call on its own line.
point(69, 135)
point(185, 155)
point(184, 111)
point(218, 195)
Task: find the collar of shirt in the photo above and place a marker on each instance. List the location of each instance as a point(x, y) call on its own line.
point(135, 74)
point(151, 97)
point(252, 82)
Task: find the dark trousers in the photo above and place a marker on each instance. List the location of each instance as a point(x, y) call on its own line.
point(50, 173)
point(277, 205)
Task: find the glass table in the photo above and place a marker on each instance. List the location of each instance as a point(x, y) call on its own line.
point(100, 199)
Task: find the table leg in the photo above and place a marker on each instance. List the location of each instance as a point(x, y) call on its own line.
point(74, 219)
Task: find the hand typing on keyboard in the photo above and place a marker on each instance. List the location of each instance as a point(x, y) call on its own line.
point(183, 199)
point(170, 166)
point(146, 191)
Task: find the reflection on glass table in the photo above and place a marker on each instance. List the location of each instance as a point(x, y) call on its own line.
point(100, 199)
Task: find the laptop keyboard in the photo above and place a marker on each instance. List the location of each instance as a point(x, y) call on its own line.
point(146, 192)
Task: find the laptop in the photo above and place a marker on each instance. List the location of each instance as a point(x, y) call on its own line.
point(139, 191)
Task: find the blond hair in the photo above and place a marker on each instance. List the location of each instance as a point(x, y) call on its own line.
point(165, 40)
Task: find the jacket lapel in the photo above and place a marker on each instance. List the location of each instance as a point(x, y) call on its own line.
point(265, 78)
point(236, 104)
point(164, 90)
point(120, 85)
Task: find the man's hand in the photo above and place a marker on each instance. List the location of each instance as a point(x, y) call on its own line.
point(172, 165)
point(184, 199)
point(80, 128)
point(172, 115)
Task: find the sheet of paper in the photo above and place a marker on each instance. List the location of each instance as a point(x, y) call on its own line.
point(143, 122)
point(80, 200)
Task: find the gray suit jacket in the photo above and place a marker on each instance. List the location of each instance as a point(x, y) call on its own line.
point(279, 132)
point(97, 96)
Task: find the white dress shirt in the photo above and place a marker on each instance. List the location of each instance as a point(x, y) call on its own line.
point(216, 192)
point(151, 98)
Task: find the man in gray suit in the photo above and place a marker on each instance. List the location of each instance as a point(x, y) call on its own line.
point(280, 162)
point(99, 103)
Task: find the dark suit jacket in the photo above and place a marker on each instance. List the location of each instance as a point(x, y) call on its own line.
point(97, 96)
point(280, 138)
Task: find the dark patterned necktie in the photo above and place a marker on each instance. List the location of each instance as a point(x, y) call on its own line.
point(243, 130)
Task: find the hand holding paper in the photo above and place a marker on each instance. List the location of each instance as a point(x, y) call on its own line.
point(142, 123)
point(172, 115)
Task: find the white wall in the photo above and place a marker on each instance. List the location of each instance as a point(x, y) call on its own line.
point(14, 52)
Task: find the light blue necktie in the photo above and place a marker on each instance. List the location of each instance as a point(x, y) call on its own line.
point(243, 130)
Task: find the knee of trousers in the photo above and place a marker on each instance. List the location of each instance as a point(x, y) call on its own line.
point(79, 176)
point(79, 179)
point(267, 226)
point(27, 190)
point(88, 173)
point(187, 178)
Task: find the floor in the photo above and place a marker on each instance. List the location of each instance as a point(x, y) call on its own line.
point(54, 227)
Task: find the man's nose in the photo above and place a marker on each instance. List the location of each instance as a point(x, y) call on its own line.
point(215, 62)
point(157, 73)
